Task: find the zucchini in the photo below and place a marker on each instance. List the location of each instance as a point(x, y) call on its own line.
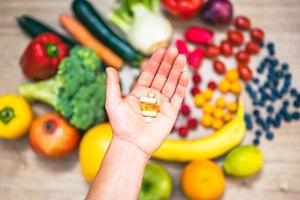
point(34, 27)
point(93, 20)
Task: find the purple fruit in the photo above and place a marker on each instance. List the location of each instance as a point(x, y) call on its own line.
point(217, 12)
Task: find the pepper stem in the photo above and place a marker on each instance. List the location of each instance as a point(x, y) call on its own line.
point(6, 115)
point(52, 50)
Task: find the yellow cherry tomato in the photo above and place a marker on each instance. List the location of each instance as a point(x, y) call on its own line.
point(224, 86)
point(208, 108)
point(227, 117)
point(221, 102)
point(236, 87)
point(232, 107)
point(208, 93)
point(218, 113)
point(199, 100)
point(206, 121)
point(217, 124)
point(232, 75)
point(15, 116)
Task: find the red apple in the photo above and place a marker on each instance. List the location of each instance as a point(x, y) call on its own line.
point(52, 136)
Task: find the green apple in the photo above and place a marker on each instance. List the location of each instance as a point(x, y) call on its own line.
point(156, 183)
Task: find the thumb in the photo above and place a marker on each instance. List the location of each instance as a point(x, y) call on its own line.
point(113, 90)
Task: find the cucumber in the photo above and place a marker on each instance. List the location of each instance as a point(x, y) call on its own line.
point(93, 20)
point(34, 27)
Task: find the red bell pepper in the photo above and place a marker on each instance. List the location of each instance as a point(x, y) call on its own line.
point(183, 9)
point(42, 56)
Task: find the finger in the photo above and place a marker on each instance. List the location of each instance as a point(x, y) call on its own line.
point(151, 68)
point(113, 90)
point(164, 69)
point(180, 90)
point(170, 86)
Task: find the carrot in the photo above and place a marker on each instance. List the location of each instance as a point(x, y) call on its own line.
point(83, 36)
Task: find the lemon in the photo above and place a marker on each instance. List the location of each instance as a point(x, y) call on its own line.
point(92, 149)
point(243, 161)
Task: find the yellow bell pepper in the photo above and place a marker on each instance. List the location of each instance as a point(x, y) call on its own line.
point(15, 116)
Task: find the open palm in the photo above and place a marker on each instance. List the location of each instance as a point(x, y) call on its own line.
point(163, 75)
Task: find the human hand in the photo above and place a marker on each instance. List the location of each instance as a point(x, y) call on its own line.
point(163, 75)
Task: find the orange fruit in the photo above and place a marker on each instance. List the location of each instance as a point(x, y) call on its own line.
point(202, 180)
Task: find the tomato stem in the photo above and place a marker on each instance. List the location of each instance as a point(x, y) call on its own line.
point(6, 115)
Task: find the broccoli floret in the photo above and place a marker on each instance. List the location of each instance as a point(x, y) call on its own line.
point(77, 91)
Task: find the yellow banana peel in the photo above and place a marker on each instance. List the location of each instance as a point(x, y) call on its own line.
point(208, 147)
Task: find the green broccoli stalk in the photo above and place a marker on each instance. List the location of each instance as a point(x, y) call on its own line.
point(144, 26)
point(77, 91)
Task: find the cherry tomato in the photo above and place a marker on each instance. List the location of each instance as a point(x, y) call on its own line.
point(192, 123)
point(219, 67)
point(197, 78)
point(185, 109)
point(195, 90)
point(226, 48)
point(252, 47)
point(183, 131)
point(257, 34)
point(212, 51)
point(245, 73)
point(242, 57)
point(242, 22)
point(212, 85)
point(235, 37)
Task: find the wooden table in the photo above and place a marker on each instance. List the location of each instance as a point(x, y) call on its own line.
point(24, 175)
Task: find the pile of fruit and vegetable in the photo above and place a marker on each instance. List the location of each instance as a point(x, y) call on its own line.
point(67, 73)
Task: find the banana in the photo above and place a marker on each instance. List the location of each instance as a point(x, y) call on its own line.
point(208, 147)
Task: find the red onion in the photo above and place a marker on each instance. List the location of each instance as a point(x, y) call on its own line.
point(217, 12)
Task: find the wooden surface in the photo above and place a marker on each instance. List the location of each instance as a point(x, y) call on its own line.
point(24, 175)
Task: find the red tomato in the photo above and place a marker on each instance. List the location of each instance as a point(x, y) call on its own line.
point(252, 47)
point(242, 22)
point(235, 37)
point(212, 51)
point(245, 73)
point(257, 34)
point(219, 67)
point(226, 48)
point(242, 57)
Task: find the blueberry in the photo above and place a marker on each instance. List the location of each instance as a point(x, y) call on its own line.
point(288, 76)
point(256, 141)
point(270, 109)
point(275, 62)
point(287, 117)
point(269, 135)
point(255, 80)
point(269, 120)
point(294, 92)
point(265, 125)
point(297, 104)
point(253, 94)
point(256, 112)
point(260, 70)
point(285, 66)
point(285, 103)
point(258, 133)
point(248, 88)
point(295, 115)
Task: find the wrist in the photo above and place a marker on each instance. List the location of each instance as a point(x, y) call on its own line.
point(132, 151)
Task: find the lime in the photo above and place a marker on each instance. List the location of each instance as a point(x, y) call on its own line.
point(243, 161)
